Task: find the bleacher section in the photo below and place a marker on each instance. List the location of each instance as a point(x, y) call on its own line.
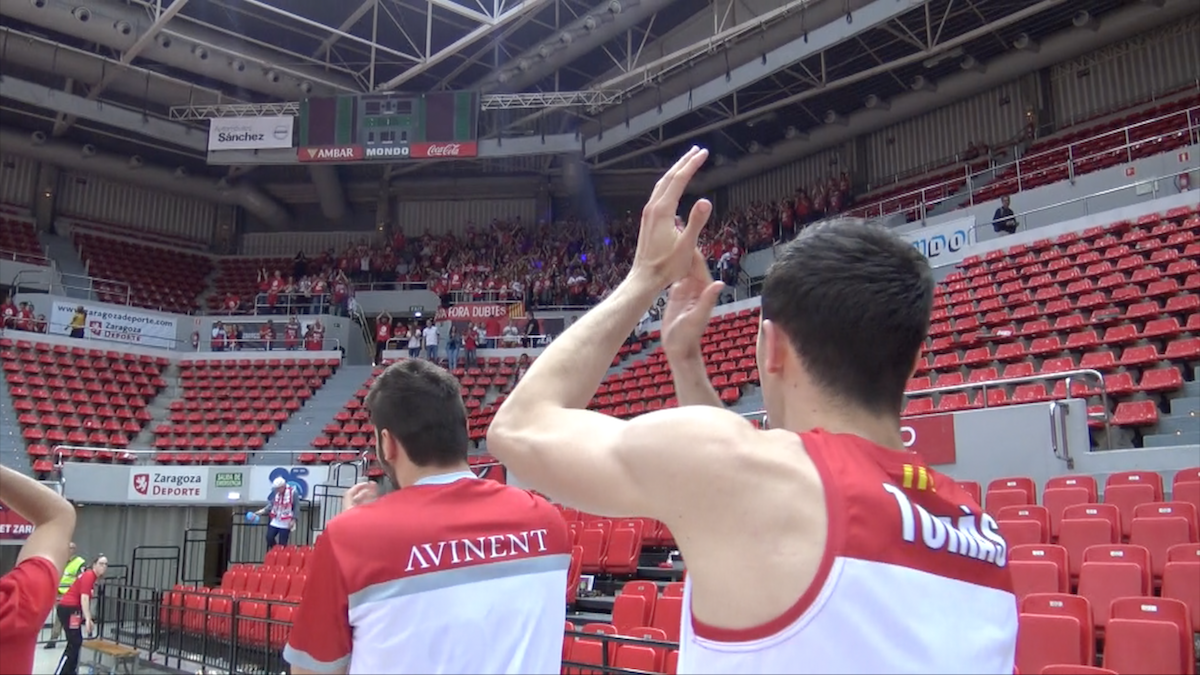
point(1161, 128)
point(239, 277)
point(1077, 551)
point(19, 242)
point(229, 407)
point(79, 396)
point(208, 409)
point(1082, 149)
point(1122, 571)
point(1122, 299)
point(160, 278)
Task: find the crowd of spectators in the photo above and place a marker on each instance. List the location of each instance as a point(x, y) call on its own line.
point(21, 316)
point(573, 262)
point(289, 335)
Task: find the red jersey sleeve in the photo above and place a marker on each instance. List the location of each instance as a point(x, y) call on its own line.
point(27, 595)
point(321, 637)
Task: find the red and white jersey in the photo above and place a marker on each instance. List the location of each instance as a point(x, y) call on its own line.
point(914, 579)
point(452, 575)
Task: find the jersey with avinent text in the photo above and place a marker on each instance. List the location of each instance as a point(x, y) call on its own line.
point(454, 575)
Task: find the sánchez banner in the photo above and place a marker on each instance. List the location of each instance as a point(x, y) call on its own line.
point(250, 133)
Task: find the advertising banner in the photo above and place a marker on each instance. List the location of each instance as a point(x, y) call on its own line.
point(250, 133)
point(481, 311)
point(303, 479)
point(168, 484)
point(944, 244)
point(12, 526)
point(124, 325)
point(932, 436)
point(445, 150)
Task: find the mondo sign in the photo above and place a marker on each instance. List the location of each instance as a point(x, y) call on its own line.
point(932, 436)
point(166, 484)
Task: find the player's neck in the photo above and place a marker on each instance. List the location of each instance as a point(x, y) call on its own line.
point(881, 430)
point(418, 473)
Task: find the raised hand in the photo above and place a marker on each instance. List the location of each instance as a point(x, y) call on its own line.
point(689, 306)
point(664, 251)
point(359, 494)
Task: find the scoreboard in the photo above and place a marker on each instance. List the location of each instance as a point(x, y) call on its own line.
point(388, 127)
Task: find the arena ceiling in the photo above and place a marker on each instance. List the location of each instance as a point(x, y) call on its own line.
point(758, 81)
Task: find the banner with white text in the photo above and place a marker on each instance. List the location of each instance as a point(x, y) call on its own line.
point(112, 325)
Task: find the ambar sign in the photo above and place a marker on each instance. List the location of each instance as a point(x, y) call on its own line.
point(331, 153)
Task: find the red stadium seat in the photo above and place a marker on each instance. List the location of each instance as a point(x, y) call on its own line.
point(1073, 606)
point(1181, 579)
point(1160, 525)
point(1127, 489)
point(1086, 525)
point(1149, 635)
point(1111, 572)
point(1038, 569)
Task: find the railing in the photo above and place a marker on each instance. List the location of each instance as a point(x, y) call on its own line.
point(242, 635)
point(62, 453)
point(1022, 218)
point(519, 341)
point(257, 344)
point(26, 258)
point(930, 196)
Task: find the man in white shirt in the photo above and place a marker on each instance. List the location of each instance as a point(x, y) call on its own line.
point(511, 336)
point(430, 337)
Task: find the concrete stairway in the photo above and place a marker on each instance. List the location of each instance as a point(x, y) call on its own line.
point(1181, 424)
point(159, 408)
point(305, 424)
point(12, 446)
point(70, 265)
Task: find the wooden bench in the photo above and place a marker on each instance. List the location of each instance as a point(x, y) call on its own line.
point(124, 657)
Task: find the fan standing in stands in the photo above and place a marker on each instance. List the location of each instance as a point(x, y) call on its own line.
point(27, 591)
point(282, 507)
point(807, 549)
point(451, 573)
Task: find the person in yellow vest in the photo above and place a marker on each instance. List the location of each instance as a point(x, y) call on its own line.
point(74, 567)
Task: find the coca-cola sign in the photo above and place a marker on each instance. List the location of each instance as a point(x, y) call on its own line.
point(444, 150)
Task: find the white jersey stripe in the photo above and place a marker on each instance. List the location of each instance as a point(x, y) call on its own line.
point(443, 579)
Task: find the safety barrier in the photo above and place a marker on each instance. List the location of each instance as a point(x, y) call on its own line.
point(183, 627)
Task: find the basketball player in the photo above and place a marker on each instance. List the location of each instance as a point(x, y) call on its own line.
point(27, 592)
point(450, 573)
point(821, 545)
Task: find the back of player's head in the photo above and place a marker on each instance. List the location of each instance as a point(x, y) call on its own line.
point(418, 403)
point(854, 300)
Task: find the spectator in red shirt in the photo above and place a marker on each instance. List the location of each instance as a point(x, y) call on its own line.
point(75, 613)
point(28, 592)
point(8, 313)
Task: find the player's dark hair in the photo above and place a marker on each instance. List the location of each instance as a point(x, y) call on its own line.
point(419, 404)
point(854, 300)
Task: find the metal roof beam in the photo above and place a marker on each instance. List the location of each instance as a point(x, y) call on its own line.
point(1126, 22)
point(105, 113)
point(750, 113)
point(815, 41)
point(64, 122)
point(454, 7)
point(355, 17)
point(431, 60)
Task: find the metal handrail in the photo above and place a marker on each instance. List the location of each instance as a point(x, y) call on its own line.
point(877, 208)
point(25, 257)
point(983, 385)
point(1084, 198)
point(254, 344)
point(61, 453)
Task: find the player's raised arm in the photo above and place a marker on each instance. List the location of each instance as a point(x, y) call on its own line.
point(596, 462)
point(689, 307)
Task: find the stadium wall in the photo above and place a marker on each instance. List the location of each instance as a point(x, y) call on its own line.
point(18, 178)
point(93, 198)
point(118, 530)
point(1126, 73)
point(1120, 75)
